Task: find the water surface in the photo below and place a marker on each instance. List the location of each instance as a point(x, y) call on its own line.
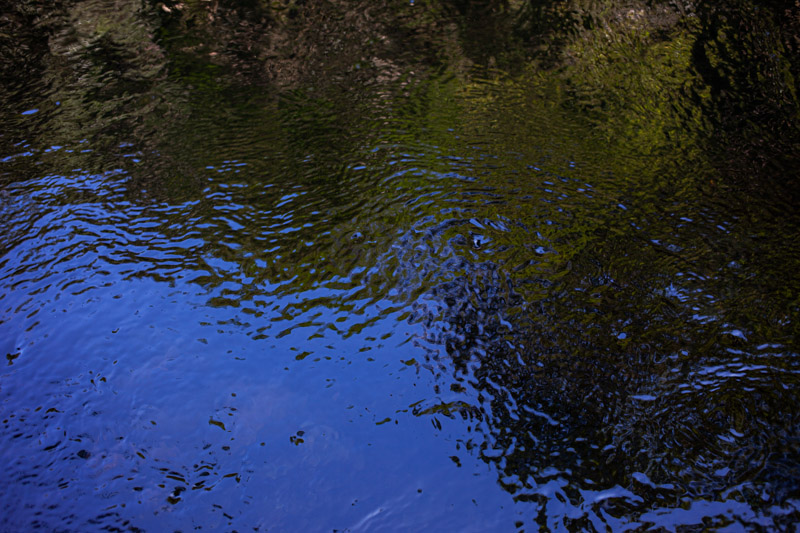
point(400, 293)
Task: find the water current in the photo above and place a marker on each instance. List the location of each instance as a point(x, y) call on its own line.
point(403, 296)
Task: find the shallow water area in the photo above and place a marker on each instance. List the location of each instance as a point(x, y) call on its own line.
point(382, 290)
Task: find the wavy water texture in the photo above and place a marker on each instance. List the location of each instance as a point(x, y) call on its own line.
point(411, 291)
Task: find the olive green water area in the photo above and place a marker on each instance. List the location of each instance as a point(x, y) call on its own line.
point(405, 266)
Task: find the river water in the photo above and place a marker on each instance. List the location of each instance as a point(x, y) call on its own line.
point(405, 297)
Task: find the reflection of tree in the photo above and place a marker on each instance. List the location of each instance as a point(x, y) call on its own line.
point(615, 367)
point(23, 39)
point(747, 54)
point(151, 76)
point(613, 346)
point(99, 77)
point(113, 67)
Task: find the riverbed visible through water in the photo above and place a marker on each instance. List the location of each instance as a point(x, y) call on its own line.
point(400, 290)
